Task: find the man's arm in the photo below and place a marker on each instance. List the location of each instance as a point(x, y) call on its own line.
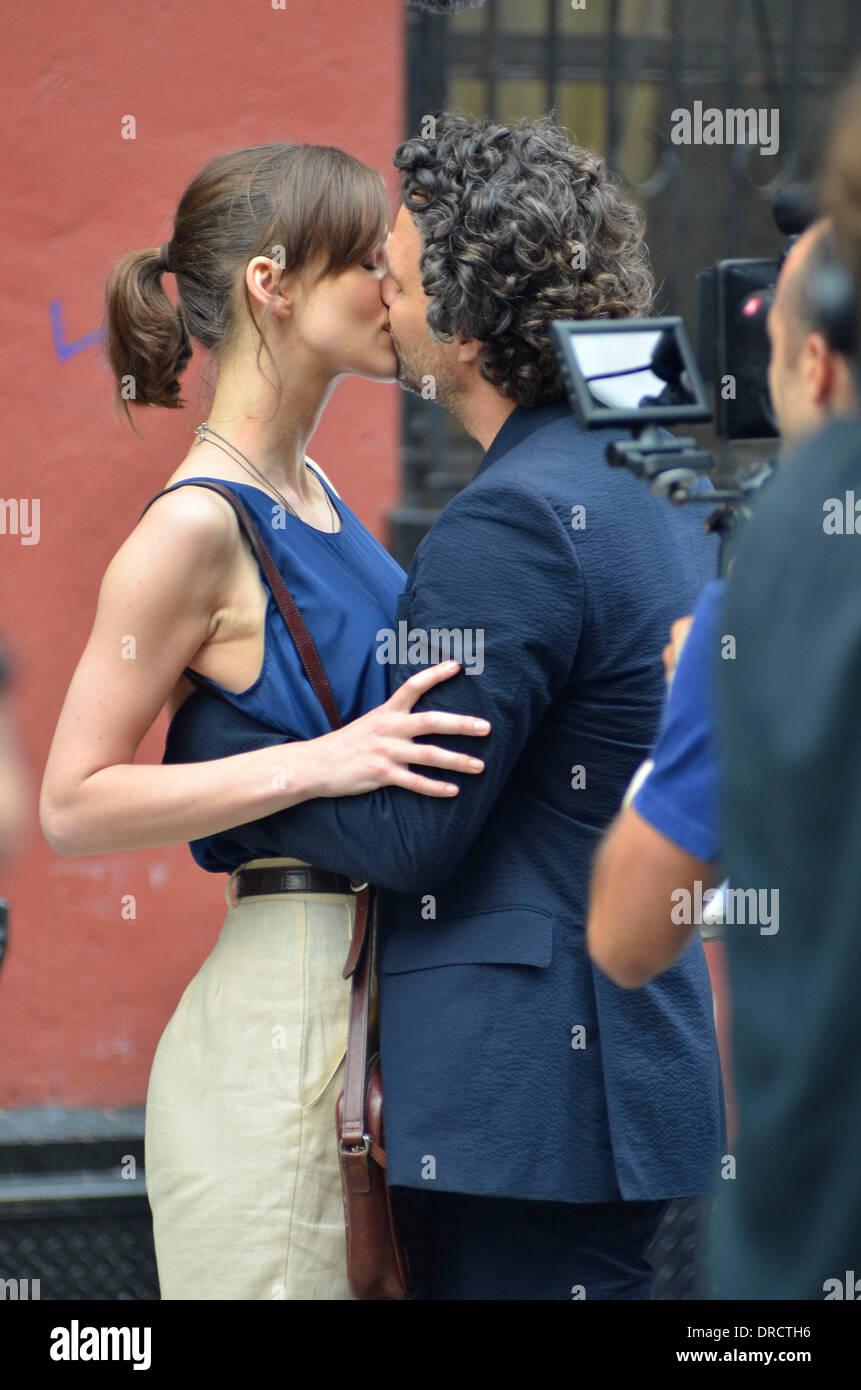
point(499, 570)
point(631, 933)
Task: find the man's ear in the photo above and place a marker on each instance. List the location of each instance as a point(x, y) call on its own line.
point(819, 369)
point(468, 351)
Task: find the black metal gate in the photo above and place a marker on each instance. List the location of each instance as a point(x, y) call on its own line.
point(613, 72)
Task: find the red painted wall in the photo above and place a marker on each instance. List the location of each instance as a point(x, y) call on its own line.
point(85, 994)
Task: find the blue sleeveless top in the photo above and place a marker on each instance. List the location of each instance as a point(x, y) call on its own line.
point(346, 586)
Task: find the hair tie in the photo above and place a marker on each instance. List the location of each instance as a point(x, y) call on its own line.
point(164, 255)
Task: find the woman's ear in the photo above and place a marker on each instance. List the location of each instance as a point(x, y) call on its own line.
point(268, 285)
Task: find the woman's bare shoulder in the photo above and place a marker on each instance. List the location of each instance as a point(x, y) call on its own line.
point(194, 508)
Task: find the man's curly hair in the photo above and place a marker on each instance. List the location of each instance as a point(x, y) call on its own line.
point(506, 213)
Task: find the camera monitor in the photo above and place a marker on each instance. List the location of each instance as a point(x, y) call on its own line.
point(632, 372)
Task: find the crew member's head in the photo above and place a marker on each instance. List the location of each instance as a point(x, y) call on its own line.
point(503, 229)
point(808, 380)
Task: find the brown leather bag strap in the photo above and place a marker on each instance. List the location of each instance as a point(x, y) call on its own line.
point(308, 654)
point(353, 1144)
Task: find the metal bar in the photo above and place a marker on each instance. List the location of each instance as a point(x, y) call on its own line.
point(735, 204)
point(768, 65)
point(796, 48)
point(674, 192)
point(611, 69)
point(415, 72)
point(493, 60)
point(64, 1187)
point(551, 57)
point(631, 74)
point(585, 59)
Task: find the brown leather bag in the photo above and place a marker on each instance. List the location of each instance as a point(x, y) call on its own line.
point(377, 1263)
point(377, 1260)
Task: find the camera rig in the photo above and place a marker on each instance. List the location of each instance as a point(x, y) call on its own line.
point(642, 374)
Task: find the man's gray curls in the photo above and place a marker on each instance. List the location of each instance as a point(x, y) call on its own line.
point(520, 227)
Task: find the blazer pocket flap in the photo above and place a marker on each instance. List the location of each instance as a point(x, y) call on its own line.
point(501, 936)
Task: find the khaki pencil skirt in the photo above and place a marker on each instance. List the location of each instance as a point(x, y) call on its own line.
point(241, 1153)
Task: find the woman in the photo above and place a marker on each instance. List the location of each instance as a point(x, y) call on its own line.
point(277, 248)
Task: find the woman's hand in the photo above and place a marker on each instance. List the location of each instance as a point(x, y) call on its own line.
point(377, 749)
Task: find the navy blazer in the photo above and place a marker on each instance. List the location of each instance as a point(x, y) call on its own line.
point(511, 1064)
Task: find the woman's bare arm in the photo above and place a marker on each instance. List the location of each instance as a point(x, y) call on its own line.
point(158, 604)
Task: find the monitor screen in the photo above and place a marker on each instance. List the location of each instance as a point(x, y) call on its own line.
point(630, 371)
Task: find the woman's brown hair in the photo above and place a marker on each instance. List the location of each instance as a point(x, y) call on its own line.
point(291, 202)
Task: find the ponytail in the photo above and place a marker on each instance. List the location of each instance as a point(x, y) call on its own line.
point(146, 342)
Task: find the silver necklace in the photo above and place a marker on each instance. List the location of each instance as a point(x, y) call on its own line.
point(203, 430)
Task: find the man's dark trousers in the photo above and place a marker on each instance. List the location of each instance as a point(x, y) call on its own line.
point(504, 1248)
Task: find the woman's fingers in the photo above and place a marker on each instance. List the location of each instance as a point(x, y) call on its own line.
point(432, 721)
point(406, 696)
point(428, 755)
point(400, 726)
point(414, 782)
point(437, 721)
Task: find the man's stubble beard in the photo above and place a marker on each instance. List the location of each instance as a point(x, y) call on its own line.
point(415, 374)
point(403, 378)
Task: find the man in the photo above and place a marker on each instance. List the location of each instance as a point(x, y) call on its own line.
point(791, 1224)
point(668, 839)
point(543, 1116)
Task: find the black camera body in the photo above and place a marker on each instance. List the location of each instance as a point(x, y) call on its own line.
point(734, 300)
point(733, 348)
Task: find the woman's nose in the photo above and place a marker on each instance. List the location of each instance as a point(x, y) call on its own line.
point(387, 289)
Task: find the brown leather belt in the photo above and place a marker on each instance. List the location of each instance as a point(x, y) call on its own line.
point(251, 882)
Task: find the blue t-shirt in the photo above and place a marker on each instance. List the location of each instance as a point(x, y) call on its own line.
point(681, 795)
